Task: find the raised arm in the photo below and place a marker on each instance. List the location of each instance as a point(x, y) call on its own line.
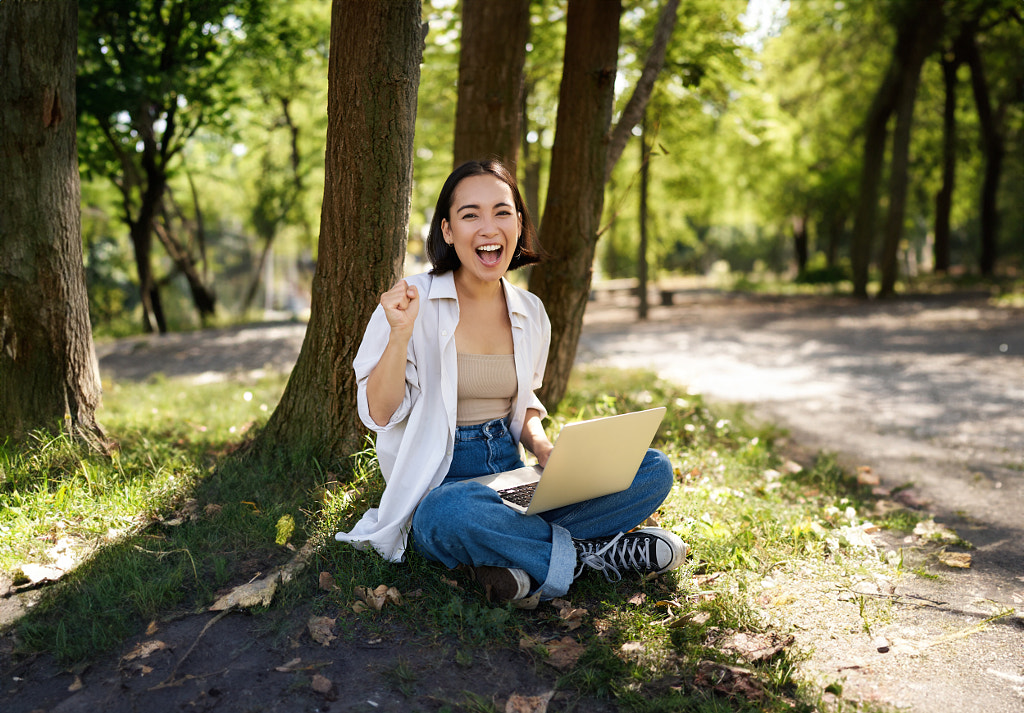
point(385, 387)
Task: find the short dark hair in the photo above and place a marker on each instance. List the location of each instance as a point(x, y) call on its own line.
point(442, 255)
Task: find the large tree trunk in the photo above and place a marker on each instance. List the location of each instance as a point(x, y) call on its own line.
point(491, 61)
point(944, 196)
point(928, 30)
point(994, 150)
point(374, 73)
point(575, 197)
point(49, 377)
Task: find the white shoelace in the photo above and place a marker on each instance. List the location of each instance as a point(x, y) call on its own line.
point(631, 554)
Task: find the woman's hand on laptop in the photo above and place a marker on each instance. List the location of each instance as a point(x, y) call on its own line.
point(535, 439)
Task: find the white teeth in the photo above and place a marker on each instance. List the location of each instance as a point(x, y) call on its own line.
point(489, 248)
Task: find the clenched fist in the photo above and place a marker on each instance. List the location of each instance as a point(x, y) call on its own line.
point(401, 305)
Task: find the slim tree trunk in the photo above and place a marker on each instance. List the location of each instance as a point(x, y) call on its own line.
point(531, 162)
point(374, 72)
point(917, 29)
point(636, 107)
point(575, 197)
point(641, 262)
point(944, 196)
point(491, 61)
point(801, 246)
point(49, 377)
point(866, 216)
point(994, 150)
point(899, 166)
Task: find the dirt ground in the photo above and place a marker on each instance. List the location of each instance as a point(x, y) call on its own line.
point(927, 392)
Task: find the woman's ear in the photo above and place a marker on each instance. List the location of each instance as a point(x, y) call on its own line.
point(446, 231)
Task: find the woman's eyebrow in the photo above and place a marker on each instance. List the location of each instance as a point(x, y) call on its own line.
point(474, 206)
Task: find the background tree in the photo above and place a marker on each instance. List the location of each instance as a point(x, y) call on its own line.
point(999, 28)
point(150, 75)
point(918, 29)
point(375, 53)
point(49, 378)
point(575, 197)
point(491, 59)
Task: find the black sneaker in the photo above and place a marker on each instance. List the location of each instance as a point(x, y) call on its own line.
point(648, 550)
point(503, 584)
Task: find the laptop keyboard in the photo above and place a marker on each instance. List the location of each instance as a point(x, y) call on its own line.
point(520, 494)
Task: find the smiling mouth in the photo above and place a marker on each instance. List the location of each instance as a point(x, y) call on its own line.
point(490, 254)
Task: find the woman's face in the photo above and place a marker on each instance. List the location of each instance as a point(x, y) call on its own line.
point(483, 227)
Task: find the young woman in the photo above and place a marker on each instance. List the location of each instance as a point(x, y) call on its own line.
point(446, 376)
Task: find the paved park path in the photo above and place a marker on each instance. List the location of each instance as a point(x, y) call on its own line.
point(929, 393)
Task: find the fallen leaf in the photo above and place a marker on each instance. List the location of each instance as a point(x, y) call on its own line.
point(322, 684)
point(327, 581)
point(77, 685)
point(528, 704)
point(321, 629)
point(866, 476)
point(564, 653)
point(571, 617)
point(376, 599)
point(252, 594)
point(931, 530)
point(730, 680)
point(960, 560)
point(144, 649)
point(212, 509)
point(152, 628)
point(755, 647)
point(638, 599)
point(632, 649)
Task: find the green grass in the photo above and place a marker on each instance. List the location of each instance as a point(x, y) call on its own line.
point(177, 514)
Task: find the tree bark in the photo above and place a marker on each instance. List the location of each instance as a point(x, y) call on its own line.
point(641, 261)
point(944, 196)
point(49, 378)
point(928, 26)
point(992, 144)
point(575, 197)
point(491, 61)
point(915, 25)
point(801, 243)
point(374, 72)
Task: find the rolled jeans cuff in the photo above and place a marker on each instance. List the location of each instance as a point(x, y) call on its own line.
point(562, 566)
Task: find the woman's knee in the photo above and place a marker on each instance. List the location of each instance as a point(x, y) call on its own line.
point(658, 472)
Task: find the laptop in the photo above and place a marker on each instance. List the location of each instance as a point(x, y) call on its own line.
point(590, 459)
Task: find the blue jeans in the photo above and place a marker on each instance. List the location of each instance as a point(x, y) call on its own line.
point(463, 522)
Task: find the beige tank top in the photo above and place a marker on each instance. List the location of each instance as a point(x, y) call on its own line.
point(487, 386)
